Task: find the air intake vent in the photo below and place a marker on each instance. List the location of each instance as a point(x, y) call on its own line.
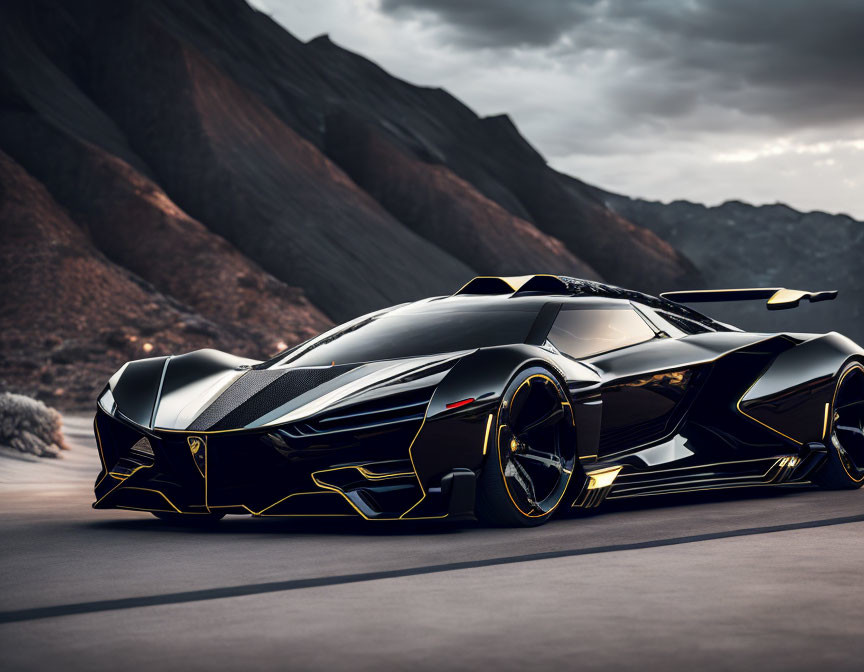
point(372, 415)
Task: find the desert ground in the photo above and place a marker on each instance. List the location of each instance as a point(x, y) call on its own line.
point(713, 583)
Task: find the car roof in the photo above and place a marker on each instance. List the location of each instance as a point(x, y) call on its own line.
point(479, 302)
point(513, 290)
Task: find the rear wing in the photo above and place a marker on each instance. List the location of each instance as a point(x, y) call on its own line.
point(778, 298)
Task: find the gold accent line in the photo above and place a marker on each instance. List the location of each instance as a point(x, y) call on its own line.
point(375, 476)
point(295, 494)
point(498, 448)
point(308, 515)
point(266, 508)
point(486, 437)
point(102, 498)
point(101, 454)
point(572, 413)
point(136, 508)
point(825, 420)
point(854, 366)
point(602, 478)
point(230, 506)
point(117, 474)
point(206, 480)
point(131, 487)
point(333, 488)
point(747, 415)
point(414, 467)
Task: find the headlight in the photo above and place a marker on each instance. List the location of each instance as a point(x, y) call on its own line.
point(106, 401)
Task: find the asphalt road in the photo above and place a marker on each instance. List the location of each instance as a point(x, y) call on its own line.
point(711, 583)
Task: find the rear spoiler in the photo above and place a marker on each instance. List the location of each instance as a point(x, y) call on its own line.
point(778, 298)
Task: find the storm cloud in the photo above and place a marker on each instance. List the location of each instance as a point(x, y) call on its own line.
point(701, 99)
point(796, 60)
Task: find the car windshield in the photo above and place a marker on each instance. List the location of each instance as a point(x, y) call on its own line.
point(417, 333)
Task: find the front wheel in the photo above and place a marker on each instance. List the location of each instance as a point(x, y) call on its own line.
point(532, 453)
point(844, 466)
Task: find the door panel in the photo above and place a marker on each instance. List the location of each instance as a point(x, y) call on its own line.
point(642, 409)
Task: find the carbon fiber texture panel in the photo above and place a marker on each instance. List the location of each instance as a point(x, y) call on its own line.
point(245, 387)
point(265, 391)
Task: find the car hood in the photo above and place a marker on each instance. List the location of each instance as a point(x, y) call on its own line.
point(208, 390)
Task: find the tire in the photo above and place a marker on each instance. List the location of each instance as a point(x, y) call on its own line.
point(844, 467)
point(532, 453)
point(189, 519)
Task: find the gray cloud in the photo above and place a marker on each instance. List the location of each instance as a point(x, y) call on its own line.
point(709, 100)
point(798, 61)
point(492, 23)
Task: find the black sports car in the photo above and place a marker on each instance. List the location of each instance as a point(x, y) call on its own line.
point(512, 399)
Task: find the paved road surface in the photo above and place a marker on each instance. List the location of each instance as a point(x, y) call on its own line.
point(712, 583)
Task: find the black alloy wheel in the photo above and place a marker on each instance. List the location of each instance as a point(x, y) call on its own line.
point(532, 453)
point(844, 468)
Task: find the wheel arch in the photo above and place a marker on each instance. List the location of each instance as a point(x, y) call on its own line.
point(462, 437)
point(793, 395)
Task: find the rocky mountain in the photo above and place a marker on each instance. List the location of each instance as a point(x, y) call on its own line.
point(740, 245)
point(188, 174)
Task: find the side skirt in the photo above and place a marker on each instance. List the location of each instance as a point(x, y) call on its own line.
point(619, 482)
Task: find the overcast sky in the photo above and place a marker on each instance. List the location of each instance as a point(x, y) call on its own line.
point(708, 100)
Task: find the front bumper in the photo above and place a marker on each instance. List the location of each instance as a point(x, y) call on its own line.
point(300, 470)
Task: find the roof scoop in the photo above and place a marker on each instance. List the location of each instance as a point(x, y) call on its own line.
point(778, 298)
point(514, 284)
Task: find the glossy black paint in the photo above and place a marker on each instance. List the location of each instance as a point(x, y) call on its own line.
point(679, 412)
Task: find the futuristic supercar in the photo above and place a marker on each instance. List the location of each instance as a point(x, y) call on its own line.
point(511, 400)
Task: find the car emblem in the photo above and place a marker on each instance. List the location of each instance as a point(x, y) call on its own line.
point(195, 444)
point(198, 448)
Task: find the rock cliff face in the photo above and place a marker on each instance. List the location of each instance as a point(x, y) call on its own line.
point(189, 174)
point(70, 316)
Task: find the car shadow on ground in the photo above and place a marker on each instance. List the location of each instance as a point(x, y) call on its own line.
point(351, 526)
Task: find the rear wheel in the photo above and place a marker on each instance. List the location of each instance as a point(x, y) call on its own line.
point(532, 455)
point(844, 467)
point(189, 519)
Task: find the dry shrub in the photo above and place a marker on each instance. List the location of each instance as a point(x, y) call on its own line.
point(29, 426)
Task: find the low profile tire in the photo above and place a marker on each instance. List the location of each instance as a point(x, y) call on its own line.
point(531, 454)
point(189, 519)
point(844, 466)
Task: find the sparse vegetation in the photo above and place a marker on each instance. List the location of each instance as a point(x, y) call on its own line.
point(29, 426)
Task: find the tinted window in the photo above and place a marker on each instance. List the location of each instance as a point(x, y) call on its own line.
point(412, 334)
point(582, 333)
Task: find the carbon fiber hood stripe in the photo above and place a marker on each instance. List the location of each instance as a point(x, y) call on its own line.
point(257, 392)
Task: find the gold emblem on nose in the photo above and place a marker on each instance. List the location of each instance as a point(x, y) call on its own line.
point(195, 444)
point(198, 448)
